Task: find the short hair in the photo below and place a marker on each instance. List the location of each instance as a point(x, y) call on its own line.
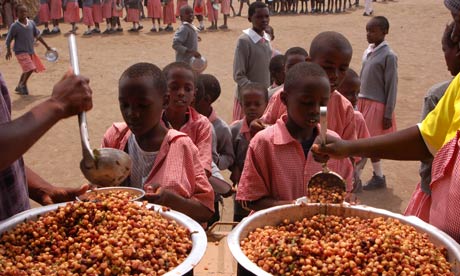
point(16, 9)
point(276, 63)
point(211, 86)
point(329, 39)
point(382, 22)
point(295, 51)
point(183, 9)
point(254, 6)
point(255, 86)
point(145, 69)
point(200, 91)
point(447, 35)
point(301, 70)
point(181, 65)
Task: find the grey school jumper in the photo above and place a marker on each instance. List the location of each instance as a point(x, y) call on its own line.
point(185, 38)
point(379, 77)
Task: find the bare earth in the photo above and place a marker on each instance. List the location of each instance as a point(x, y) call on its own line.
point(416, 27)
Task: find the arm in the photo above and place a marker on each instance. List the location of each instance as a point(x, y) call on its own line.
point(204, 144)
point(391, 88)
point(9, 39)
point(405, 144)
point(70, 96)
point(240, 63)
point(179, 41)
point(39, 38)
point(226, 154)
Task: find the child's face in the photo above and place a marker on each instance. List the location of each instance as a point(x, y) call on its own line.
point(140, 104)
point(452, 60)
point(253, 103)
point(374, 32)
point(260, 19)
point(181, 89)
point(22, 13)
point(187, 16)
point(335, 62)
point(278, 76)
point(304, 101)
point(292, 60)
point(270, 32)
point(350, 89)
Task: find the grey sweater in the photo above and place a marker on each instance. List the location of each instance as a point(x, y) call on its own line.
point(23, 36)
point(185, 38)
point(379, 78)
point(251, 62)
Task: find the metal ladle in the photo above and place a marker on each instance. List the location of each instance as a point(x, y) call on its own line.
point(331, 183)
point(104, 166)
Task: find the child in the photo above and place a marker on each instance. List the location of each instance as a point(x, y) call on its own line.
point(185, 41)
point(198, 9)
point(71, 14)
point(279, 163)
point(107, 14)
point(133, 15)
point(9, 13)
point(97, 16)
point(117, 13)
point(271, 32)
point(55, 15)
point(44, 16)
point(252, 54)
point(350, 90)
point(225, 10)
point(379, 83)
point(203, 105)
point(276, 68)
point(168, 14)
point(368, 10)
point(213, 14)
point(165, 161)
point(24, 32)
point(88, 16)
point(181, 116)
point(253, 102)
point(154, 11)
point(241, 6)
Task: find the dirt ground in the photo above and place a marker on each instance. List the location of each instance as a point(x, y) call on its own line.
point(416, 27)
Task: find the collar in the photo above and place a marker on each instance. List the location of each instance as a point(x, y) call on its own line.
point(27, 23)
point(372, 47)
point(245, 130)
point(281, 133)
point(191, 26)
point(255, 37)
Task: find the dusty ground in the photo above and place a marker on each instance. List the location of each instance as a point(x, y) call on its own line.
point(416, 27)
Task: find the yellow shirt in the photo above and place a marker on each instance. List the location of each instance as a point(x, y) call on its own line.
point(441, 124)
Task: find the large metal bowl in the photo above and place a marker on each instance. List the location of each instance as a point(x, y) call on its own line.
point(134, 192)
point(199, 239)
point(275, 215)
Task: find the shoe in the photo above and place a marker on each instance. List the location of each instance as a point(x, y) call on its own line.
point(107, 31)
point(55, 31)
point(22, 90)
point(96, 31)
point(365, 14)
point(153, 30)
point(140, 27)
point(46, 32)
point(223, 27)
point(119, 29)
point(201, 28)
point(375, 183)
point(160, 29)
point(169, 29)
point(88, 32)
point(133, 30)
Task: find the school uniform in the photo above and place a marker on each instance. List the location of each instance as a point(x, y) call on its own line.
point(97, 11)
point(88, 13)
point(225, 7)
point(379, 84)
point(185, 38)
point(279, 167)
point(273, 89)
point(250, 64)
point(44, 11)
point(180, 4)
point(198, 8)
point(55, 9)
point(199, 129)
point(169, 16)
point(154, 9)
point(133, 11)
point(72, 11)
point(275, 107)
point(224, 146)
point(213, 14)
point(107, 9)
point(176, 167)
point(361, 128)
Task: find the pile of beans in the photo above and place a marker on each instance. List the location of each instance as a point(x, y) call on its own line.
point(325, 190)
point(111, 237)
point(333, 245)
point(95, 195)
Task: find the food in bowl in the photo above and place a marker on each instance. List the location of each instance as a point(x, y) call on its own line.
point(336, 245)
point(110, 237)
point(122, 193)
point(320, 190)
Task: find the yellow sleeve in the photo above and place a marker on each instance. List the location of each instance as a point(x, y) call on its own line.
point(441, 124)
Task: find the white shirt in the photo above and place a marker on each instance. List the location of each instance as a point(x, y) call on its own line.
point(142, 163)
point(255, 37)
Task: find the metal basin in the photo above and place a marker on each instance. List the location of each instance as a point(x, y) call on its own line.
point(275, 215)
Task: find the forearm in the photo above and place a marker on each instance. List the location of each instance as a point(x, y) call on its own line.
point(38, 187)
point(43, 42)
point(17, 136)
point(406, 144)
point(266, 202)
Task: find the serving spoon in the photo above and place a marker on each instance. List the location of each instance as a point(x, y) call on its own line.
point(104, 166)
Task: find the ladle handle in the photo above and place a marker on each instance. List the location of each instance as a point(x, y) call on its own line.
point(323, 124)
point(87, 152)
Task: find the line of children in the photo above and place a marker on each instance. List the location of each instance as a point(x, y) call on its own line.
point(277, 74)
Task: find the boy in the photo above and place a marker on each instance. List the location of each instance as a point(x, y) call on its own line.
point(24, 32)
point(165, 161)
point(252, 54)
point(276, 68)
point(350, 90)
point(254, 99)
point(203, 105)
point(379, 84)
point(279, 163)
point(185, 41)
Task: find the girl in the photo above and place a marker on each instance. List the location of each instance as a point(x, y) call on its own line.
point(154, 11)
point(213, 13)
point(72, 14)
point(56, 15)
point(97, 16)
point(44, 15)
point(225, 10)
point(165, 162)
point(117, 13)
point(168, 14)
point(133, 15)
point(107, 14)
point(198, 9)
point(88, 16)
point(24, 32)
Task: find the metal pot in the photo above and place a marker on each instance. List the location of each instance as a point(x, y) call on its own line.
point(199, 239)
point(275, 215)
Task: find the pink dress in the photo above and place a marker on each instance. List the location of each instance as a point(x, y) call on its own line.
point(275, 108)
point(441, 209)
point(154, 9)
point(56, 9)
point(225, 7)
point(72, 12)
point(213, 14)
point(373, 112)
point(88, 16)
point(177, 166)
point(133, 15)
point(180, 4)
point(107, 9)
point(168, 13)
point(198, 7)
point(97, 13)
point(116, 12)
point(44, 13)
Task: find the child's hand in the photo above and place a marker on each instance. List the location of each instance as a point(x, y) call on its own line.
point(8, 54)
point(256, 126)
point(235, 175)
point(387, 123)
point(157, 195)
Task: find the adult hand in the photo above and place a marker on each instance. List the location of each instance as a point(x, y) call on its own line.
point(335, 148)
point(72, 94)
point(387, 123)
point(256, 126)
point(320, 158)
point(61, 194)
